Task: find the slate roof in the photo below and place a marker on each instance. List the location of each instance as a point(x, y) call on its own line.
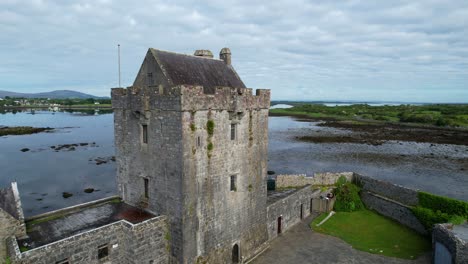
point(194, 70)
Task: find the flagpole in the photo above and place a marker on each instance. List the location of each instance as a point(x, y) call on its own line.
point(118, 51)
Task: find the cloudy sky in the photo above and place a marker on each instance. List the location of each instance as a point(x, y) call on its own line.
point(411, 51)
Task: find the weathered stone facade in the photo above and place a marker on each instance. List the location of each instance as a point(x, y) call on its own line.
point(202, 161)
point(126, 242)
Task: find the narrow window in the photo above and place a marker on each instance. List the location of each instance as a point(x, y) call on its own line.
point(198, 141)
point(233, 183)
point(150, 78)
point(146, 188)
point(233, 131)
point(144, 130)
point(63, 261)
point(103, 251)
point(235, 254)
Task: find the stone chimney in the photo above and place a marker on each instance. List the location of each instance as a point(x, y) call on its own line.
point(204, 53)
point(225, 55)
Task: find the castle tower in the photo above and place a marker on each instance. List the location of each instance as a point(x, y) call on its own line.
point(191, 143)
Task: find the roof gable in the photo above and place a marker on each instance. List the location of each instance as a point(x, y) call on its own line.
point(193, 70)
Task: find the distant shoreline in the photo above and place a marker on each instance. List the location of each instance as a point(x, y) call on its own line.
point(60, 107)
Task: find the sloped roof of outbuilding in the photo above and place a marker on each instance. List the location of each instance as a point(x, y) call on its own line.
point(194, 70)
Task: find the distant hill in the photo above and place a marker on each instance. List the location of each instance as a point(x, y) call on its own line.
point(59, 94)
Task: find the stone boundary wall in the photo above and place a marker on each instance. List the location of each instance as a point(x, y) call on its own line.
point(391, 200)
point(457, 247)
point(289, 209)
point(392, 209)
point(127, 243)
point(298, 180)
point(389, 190)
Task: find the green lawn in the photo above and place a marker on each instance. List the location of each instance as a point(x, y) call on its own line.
point(368, 231)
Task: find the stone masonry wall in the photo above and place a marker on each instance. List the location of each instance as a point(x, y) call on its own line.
point(127, 243)
point(323, 179)
point(187, 181)
point(289, 209)
point(387, 189)
point(391, 200)
point(215, 217)
point(392, 209)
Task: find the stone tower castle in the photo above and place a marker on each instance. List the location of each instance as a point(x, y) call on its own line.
point(191, 143)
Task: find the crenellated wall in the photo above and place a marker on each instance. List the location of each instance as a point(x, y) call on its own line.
point(189, 98)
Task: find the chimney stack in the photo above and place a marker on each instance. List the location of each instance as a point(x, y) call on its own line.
point(225, 55)
point(204, 53)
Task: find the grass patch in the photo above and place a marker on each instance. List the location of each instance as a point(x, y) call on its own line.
point(368, 231)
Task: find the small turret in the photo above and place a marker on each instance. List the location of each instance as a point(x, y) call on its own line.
point(225, 55)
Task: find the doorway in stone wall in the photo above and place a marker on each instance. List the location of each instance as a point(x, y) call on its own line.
point(280, 219)
point(235, 254)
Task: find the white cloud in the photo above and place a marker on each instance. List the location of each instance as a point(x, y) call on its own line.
point(373, 50)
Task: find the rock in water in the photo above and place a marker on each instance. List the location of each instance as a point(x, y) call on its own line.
point(67, 195)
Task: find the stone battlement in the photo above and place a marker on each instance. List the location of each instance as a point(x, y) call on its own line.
point(190, 98)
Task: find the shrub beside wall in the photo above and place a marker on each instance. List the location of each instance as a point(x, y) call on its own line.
point(434, 209)
point(347, 196)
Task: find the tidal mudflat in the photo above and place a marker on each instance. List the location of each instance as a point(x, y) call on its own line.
point(435, 167)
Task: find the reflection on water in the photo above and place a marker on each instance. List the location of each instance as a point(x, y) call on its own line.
point(44, 173)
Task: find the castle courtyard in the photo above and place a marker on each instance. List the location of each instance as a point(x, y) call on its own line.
point(302, 245)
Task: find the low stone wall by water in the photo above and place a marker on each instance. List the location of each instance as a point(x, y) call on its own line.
point(323, 179)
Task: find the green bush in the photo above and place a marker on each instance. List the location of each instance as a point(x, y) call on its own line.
point(429, 218)
point(347, 198)
point(443, 204)
point(342, 180)
point(457, 220)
